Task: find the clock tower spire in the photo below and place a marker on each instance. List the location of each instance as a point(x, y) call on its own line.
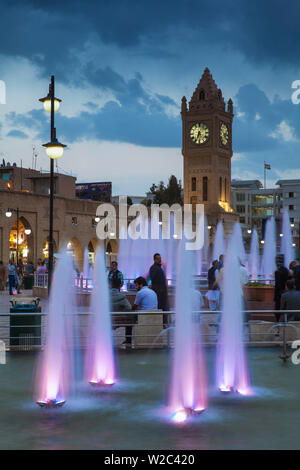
point(207, 149)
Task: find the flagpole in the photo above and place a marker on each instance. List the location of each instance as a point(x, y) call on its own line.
point(265, 176)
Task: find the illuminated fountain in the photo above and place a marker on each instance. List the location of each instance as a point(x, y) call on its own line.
point(100, 361)
point(231, 367)
point(287, 240)
point(188, 382)
point(268, 265)
point(238, 237)
point(219, 243)
point(55, 370)
point(253, 263)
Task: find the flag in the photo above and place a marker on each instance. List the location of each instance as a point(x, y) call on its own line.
point(267, 166)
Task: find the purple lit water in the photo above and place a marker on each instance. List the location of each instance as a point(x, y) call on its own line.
point(56, 366)
point(100, 365)
point(253, 261)
point(231, 367)
point(287, 240)
point(188, 382)
point(219, 242)
point(268, 265)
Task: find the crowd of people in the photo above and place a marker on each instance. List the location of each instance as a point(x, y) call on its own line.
point(15, 275)
point(147, 298)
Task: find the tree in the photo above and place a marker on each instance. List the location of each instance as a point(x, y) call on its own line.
point(170, 194)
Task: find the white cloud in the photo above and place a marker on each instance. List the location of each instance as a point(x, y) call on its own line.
point(257, 117)
point(284, 131)
point(238, 156)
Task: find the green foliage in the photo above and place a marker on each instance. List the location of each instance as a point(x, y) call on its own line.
point(258, 284)
point(170, 194)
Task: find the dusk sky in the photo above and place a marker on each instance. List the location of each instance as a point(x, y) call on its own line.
point(121, 69)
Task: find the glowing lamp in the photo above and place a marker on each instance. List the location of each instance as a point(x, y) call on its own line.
point(262, 242)
point(281, 235)
point(97, 219)
point(27, 231)
point(292, 225)
point(209, 227)
point(8, 213)
point(54, 149)
point(47, 103)
point(249, 231)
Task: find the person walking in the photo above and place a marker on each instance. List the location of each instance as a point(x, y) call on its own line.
point(12, 277)
point(290, 300)
point(159, 285)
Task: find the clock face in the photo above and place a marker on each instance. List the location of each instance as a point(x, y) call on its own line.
point(199, 133)
point(224, 134)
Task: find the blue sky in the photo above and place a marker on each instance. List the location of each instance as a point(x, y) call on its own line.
point(122, 68)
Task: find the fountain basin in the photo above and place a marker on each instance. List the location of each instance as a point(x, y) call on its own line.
point(51, 403)
point(101, 384)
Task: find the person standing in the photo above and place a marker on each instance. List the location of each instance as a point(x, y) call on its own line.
point(281, 276)
point(213, 292)
point(12, 276)
point(159, 285)
point(115, 274)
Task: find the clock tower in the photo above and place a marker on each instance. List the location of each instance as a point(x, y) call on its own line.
point(207, 150)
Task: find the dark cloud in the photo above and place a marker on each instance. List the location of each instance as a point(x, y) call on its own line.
point(268, 130)
point(53, 34)
point(136, 118)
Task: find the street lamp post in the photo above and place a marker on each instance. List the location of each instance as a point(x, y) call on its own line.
point(9, 214)
point(54, 150)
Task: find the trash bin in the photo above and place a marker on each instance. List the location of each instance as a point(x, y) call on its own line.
point(25, 325)
point(28, 281)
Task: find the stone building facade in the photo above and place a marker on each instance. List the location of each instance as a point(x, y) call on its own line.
point(26, 193)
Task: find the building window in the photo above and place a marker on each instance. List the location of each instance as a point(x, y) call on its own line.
point(202, 95)
point(291, 207)
point(240, 197)
point(74, 221)
point(194, 184)
point(204, 188)
point(291, 194)
point(241, 209)
point(242, 220)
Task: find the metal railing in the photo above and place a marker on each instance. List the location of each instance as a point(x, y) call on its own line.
point(146, 329)
point(41, 280)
